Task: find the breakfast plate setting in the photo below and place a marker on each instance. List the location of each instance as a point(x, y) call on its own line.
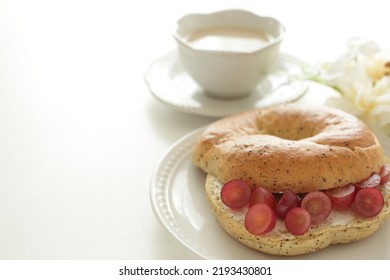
point(307, 156)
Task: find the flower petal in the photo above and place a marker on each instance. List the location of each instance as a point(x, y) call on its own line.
point(344, 104)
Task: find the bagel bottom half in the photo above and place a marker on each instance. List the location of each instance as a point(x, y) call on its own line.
point(340, 226)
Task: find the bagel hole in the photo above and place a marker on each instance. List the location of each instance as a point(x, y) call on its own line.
point(292, 133)
point(291, 125)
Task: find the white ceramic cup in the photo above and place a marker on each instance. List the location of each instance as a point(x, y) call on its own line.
point(232, 70)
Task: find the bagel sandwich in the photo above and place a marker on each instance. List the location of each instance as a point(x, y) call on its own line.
point(309, 152)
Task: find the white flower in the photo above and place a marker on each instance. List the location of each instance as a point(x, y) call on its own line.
point(362, 76)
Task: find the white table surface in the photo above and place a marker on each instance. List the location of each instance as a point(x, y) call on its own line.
point(80, 133)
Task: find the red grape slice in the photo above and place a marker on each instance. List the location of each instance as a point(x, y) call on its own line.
point(369, 202)
point(318, 205)
point(371, 182)
point(342, 197)
point(384, 173)
point(261, 195)
point(288, 201)
point(297, 221)
point(235, 193)
point(260, 219)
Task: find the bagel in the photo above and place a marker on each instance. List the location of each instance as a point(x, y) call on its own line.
point(289, 147)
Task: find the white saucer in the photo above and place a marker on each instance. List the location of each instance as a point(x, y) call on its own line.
point(170, 84)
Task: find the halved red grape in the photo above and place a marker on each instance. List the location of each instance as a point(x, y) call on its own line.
point(342, 197)
point(384, 173)
point(371, 182)
point(318, 204)
point(260, 219)
point(235, 193)
point(262, 195)
point(288, 201)
point(369, 202)
point(297, 220)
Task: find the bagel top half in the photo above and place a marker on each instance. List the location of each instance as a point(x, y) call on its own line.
point(289, 147)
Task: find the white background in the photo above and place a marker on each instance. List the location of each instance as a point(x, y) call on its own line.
point(80, 133)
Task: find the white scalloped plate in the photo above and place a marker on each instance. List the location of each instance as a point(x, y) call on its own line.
point(180, 205)
point(170, 84)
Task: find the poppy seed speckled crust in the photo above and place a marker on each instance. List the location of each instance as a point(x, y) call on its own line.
point(289, 147)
